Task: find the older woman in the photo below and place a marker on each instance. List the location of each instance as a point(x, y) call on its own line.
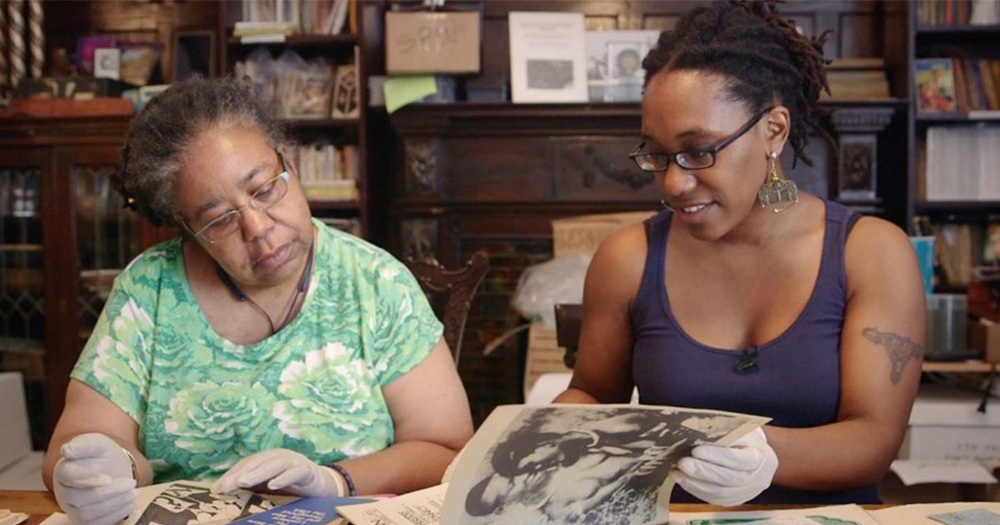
point(262, 347)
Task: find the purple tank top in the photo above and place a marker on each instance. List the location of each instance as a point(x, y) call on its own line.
point(793, 379)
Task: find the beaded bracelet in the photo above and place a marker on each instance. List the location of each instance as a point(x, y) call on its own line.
point(351, 489)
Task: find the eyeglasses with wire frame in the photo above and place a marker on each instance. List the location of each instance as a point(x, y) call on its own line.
point(694, 159)
point(262, 199)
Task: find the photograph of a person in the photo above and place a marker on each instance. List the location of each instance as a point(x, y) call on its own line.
point(600, 465)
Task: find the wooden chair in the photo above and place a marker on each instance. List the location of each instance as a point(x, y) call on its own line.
point(450, 292)
point(569, 318)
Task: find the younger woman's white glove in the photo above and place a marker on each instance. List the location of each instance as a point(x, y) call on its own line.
point(283, 470)
point(730, 475)
point(93, 481)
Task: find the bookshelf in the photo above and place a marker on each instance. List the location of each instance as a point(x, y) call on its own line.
point(338, 50)
point(947, 192)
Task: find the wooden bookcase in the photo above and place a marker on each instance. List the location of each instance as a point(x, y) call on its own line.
point(347, 47)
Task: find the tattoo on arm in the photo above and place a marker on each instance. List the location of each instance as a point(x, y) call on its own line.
point(900, 349)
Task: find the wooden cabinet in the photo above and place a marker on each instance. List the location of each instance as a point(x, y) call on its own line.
point(64, 236)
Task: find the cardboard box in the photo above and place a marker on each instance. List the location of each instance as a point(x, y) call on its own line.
point(585, 234)
point(986, 337)
point(432, 42)
point(945, 424)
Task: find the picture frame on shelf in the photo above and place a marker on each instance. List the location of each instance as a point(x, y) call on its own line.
point(614, 64)
point(346, 96)
point(856, 176)
point(107, 62)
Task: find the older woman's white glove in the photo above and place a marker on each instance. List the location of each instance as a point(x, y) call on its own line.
point(93, 480)
point(283, 470)
point(729, 475)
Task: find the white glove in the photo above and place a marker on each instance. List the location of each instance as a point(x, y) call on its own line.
point(730, 475)
point(283, 470)
point(93, 480)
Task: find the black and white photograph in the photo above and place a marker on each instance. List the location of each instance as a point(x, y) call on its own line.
point(550, 74)
point(588, 465)
point(183, 503)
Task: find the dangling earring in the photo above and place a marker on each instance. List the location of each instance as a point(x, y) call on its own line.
point(665, 205)
point(776, 190)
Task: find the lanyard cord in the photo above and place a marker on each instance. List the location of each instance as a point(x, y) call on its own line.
point(242, 297)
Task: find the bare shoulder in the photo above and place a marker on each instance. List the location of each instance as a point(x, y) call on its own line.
point(877, 249)
point(618, 265)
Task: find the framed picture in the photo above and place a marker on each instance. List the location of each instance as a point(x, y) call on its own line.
point(614, 64)
point(548, 61)
point(194, 53)
point(307, 93)
point(856, 178)
point(107, 62)
point(345, 93)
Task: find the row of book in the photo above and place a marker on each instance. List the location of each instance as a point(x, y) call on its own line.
point(958, 12)
point(288, 17)
point(961, 163)
point(957, 84)
point(315, 89)
point(328, 172)
point(961, 249)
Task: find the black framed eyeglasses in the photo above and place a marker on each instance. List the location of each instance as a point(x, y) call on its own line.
point(262, 199)
point(695, 159)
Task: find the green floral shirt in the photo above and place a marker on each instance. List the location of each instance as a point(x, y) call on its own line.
point(202, 403)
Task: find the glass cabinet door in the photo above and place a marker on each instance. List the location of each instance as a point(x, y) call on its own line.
point(22, 313)
point(108, 237)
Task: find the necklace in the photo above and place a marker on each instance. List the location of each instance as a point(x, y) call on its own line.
point(242, 297)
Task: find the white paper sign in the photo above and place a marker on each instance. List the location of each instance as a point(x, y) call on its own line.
point(548, 58)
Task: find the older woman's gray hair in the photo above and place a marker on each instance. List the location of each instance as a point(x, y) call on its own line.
point(160, 135)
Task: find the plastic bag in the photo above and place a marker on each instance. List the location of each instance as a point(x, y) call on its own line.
point(542, 286)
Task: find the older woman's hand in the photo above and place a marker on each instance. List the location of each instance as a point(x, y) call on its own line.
point(93, 481)
point(283, 470)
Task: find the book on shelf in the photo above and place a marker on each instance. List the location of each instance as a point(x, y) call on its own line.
point(961, 163)
point(958, 12)
point(308, 17)
point(860, 78)
point(935, 85)
point(963, 85)
point(328, 172)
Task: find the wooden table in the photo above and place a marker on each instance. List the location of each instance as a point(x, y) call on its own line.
point(39, 504)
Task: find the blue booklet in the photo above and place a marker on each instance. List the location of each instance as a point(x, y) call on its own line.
point(305, 511)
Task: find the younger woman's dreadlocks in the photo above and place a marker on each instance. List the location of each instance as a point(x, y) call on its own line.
point(762, 56)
